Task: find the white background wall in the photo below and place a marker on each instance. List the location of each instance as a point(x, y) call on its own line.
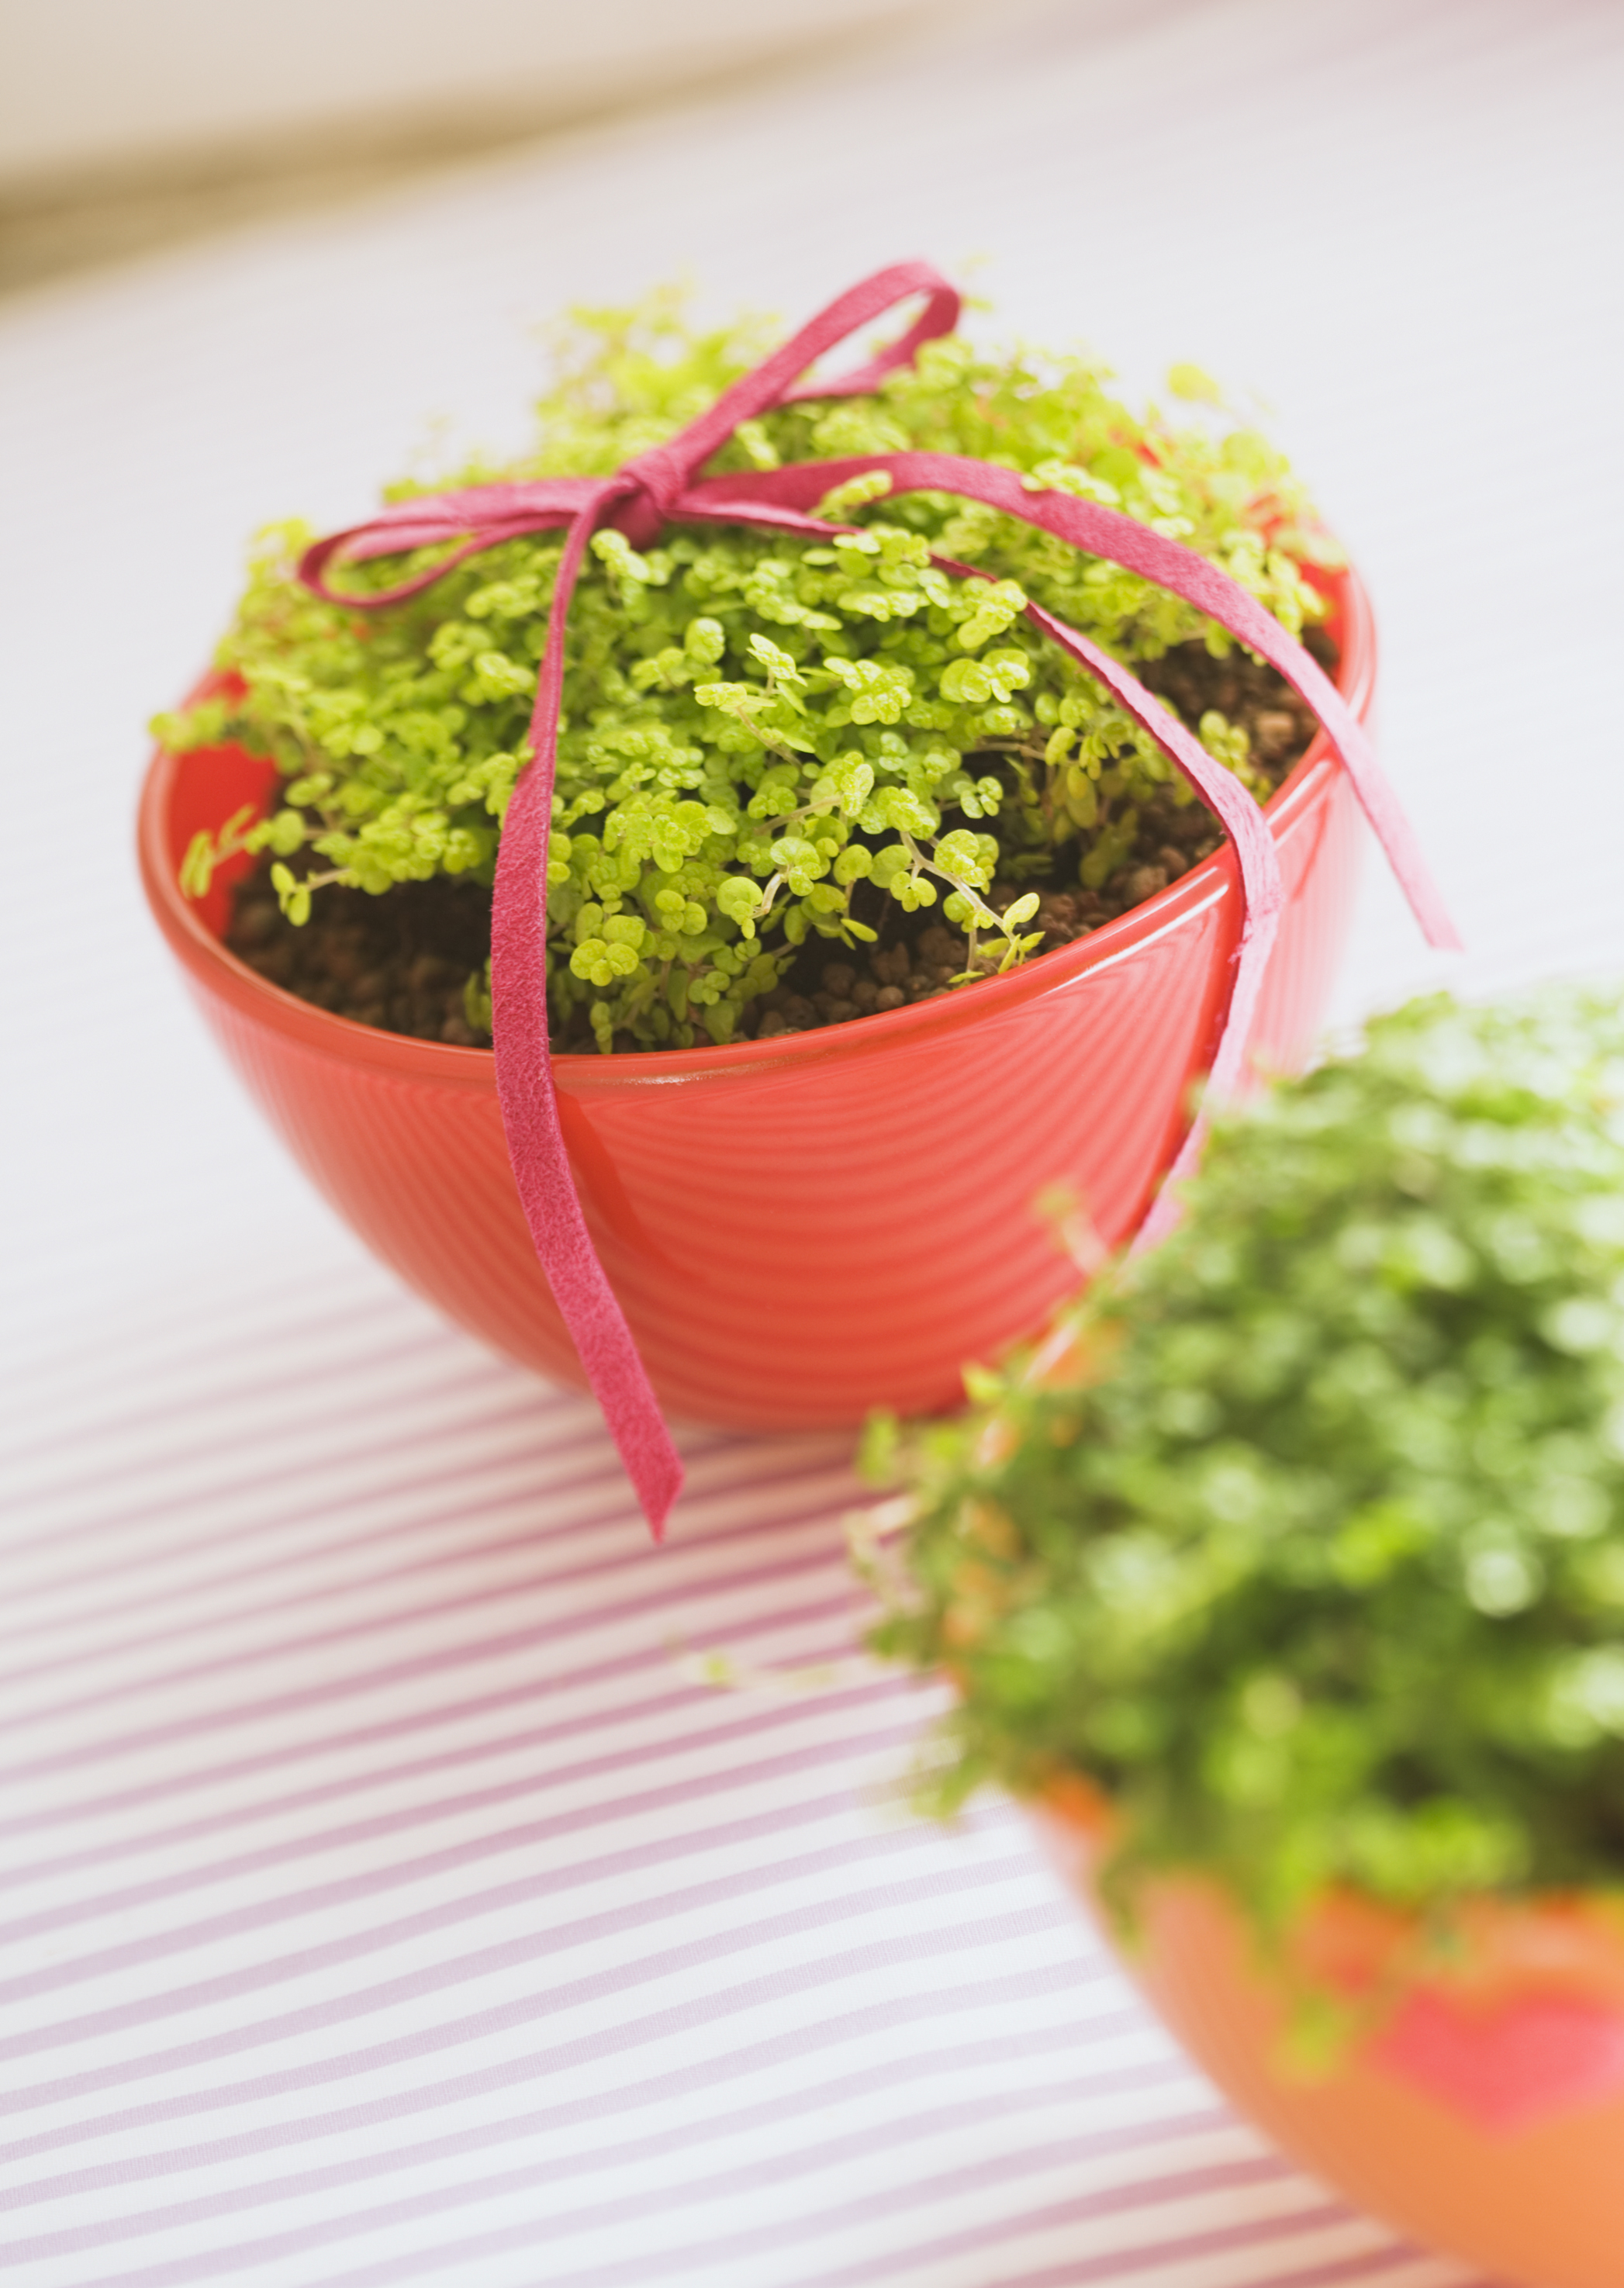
point(84, 81)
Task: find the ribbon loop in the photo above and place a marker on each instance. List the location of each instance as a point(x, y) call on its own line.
point(662, 485)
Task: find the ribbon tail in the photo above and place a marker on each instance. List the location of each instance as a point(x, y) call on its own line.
point(1107, 532)
point(586, 1301)
point(1262, 891)
point(1224, 1080)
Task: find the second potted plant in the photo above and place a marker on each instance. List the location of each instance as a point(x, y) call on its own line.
point(1286, 1584)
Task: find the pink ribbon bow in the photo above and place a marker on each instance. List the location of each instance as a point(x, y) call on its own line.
point(663, 487)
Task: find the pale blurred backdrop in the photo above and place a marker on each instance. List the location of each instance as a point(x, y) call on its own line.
point(124, 125)
point(97, 80)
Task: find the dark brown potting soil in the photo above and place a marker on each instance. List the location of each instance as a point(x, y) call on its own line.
point(402, 961)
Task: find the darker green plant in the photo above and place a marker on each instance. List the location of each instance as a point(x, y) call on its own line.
point(764, 739)
point(1312, 1559)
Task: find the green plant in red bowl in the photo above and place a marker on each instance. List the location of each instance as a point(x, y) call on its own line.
point(1287, 1583)
point(809, 765)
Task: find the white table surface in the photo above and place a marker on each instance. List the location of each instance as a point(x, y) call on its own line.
point(382, 1899)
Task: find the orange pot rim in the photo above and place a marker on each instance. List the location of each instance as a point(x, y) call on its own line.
point(1566, 1939)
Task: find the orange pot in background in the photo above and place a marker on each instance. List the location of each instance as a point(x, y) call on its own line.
point(801, 1228)
point(1484, 2117)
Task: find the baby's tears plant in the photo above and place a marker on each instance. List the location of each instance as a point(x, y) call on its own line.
point(764, 739)
point(1312, 1561)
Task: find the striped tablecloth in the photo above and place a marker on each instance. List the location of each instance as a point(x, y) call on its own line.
point(388, 1898)
point(384, 1895)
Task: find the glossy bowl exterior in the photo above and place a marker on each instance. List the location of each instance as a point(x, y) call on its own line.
point(802, 1229)
point(1541, 2205)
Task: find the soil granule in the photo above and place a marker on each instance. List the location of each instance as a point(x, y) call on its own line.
point(402, 961)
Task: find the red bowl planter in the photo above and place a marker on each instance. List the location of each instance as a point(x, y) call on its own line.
point(802, 1229)
point(1485, 2119)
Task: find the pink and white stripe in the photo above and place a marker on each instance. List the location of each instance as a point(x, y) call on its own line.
point(383, 1902)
